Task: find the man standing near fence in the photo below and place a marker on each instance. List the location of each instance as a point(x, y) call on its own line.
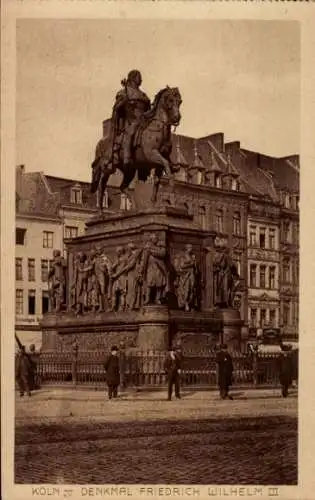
point(112, 373)
point(285, 369)
point(225, 371)
point(172, 367)
point(23, 371)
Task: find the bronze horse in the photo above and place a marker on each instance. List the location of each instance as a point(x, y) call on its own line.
point(151, 150)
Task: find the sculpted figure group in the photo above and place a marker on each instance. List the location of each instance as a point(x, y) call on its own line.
point(136, 277)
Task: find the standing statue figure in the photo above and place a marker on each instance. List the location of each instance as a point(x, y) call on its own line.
point(188, 277)
point(82, 277)
point(92, 292)
point(131, 269)
point(131, 103)
point(153, 272)
point(226, 280)
point(117, 290)
point(57, 282)
point(101, 266)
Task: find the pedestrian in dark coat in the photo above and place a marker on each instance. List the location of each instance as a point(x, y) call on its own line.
point(112, 373)
point(23, 371)
point(172, 367)
point(34, 359)
point(285, 369)
point(225, 371)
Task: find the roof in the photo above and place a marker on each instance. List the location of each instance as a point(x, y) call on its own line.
point(284, 172)
point(33, 196)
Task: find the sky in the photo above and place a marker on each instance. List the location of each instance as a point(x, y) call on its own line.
point(241, 78)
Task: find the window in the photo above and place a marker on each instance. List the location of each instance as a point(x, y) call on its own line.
point(253, 317)
point(252, 236)
point(272, 317)
point(272, 239)
point(237, 262)
point(237, 223)
point(262, 276)
point(31, 269)
point(44, 270)
point(71, 232)
point(286, 314)
point(287, 231)
point(235, 185)
point(18, 301)
point(262, 237)
point(51, 263)
point(48, 239)
point(262, 317)
point(31, 301)
point(105, 199)
point(45, 302)
point(272, 277)
point(286, 270)
point(76, 195)
point(18, 269)
point(202, 216)
point(219, 221)
point(217, 180)
point(287, 201)
point(125, 203)
point(253, 275)
point(200, 177)
point(20, 236)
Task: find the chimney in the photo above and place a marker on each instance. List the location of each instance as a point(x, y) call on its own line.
point(20, 170)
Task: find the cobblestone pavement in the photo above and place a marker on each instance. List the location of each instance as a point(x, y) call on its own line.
point(145, 439)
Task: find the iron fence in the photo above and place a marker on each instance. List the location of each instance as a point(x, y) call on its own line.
point(146, 368)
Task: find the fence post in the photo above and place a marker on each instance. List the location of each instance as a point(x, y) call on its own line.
point(255, 368)
point(122, 364)
point(75, 350)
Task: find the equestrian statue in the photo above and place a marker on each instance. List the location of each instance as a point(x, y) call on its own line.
point(140, 138)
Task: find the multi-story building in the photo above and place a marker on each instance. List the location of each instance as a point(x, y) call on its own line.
point(249, 199)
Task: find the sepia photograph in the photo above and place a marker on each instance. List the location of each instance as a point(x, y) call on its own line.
point(157, 251)
point(157, 257)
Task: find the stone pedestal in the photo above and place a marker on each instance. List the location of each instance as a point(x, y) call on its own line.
point(153, 332)
point(232, 328)
point(145, 327)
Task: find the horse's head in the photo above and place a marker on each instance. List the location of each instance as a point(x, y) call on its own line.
point(170, 100)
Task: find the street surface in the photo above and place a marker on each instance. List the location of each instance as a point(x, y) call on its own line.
point(79, 437)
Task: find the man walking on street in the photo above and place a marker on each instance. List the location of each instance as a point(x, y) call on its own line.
point(225, 371)
point(112, 373)
point(23, 372)
point(172, 367)
point(285, 369)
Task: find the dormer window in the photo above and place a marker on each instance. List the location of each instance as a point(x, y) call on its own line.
point(125, 203)
point(199, 177)
point(235, 185)
point(287, 200)
point(76, 195)
point(217, 180)
point(181, 175)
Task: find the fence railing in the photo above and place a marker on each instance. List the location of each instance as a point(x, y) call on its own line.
point(146, 368)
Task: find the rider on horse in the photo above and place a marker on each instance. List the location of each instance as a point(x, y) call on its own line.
point(130, 105)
